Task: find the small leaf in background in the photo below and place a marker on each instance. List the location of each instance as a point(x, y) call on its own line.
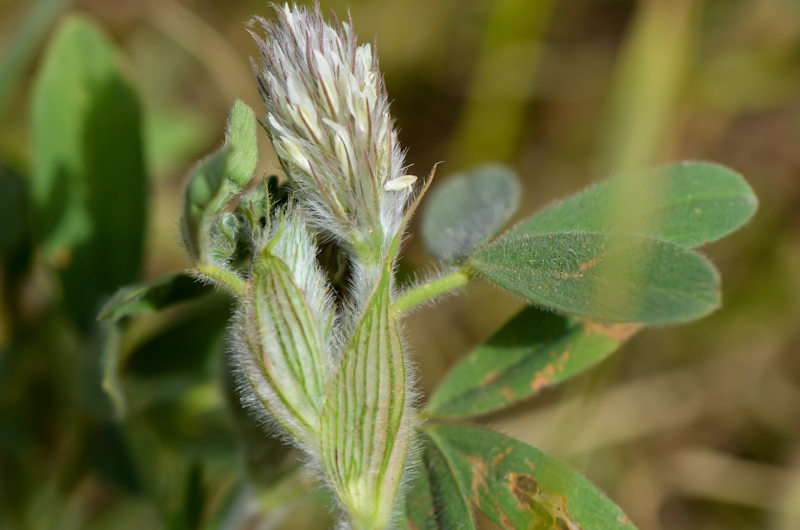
point(517, 486)
point(183, 348)
point(619, 278)
point(21, 47)
point(436, 500)
point(534, 350)
point(172, 136)
point(205, 185)
point(88, 184)
point(152, 296)
point(110, 459)
point(111, 382)
point(469, 209)
point(242, 137)
point(217, 179)
point(693, 203)
point(14, 220)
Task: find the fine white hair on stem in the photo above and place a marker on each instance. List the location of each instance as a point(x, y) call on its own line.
point(419, 279)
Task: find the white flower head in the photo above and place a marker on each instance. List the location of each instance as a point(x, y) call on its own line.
point(328, 117)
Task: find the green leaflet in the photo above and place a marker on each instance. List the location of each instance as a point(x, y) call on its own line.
point(88, 184)
point(241, 135)
point(690, 204)
point(469, 209)
point(214, 183)
point(436, 500)
point(365, 422)
point(534, 350)
point(152, 296)
point(517, 486)
point(615, 278)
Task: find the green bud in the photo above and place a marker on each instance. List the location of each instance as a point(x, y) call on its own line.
point(224, 236)
point(365, 426)
point(282, 331)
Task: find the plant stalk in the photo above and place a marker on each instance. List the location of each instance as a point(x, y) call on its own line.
point(225, 278)
point(426, 291)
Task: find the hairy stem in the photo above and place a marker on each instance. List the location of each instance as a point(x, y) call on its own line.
point(426, 291)
point(225, 278)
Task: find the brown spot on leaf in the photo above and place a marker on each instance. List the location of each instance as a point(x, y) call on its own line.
point(544, 377)
point(591, 263)
point(490, 378)
point(548, 509)
point(509, 394)
point(479, 474)
point(497, 460)
point(539, 381)
point(617, 332)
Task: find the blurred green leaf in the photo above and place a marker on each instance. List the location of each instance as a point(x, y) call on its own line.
point(267, 457)
point(693, 203)
point(152, 296)
point(517, 486)
point(111, 381)
point(622, 279)
point(21, 48)
point(109, 455)
point(88, 183)
point(436, 500)
point(171, 479)
point(13, 210)
point(217, 179)
point(534, 350)
point(14, 220)
point(172, 137)
point(186, 346)
point(469, 209)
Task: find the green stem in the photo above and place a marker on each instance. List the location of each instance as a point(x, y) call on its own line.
point(426, 291)
point(226, 278)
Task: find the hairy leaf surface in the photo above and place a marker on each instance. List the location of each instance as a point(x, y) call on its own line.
point(619, 278)
point(534, 350)
point(690, 204)
point(517, 486)
point(436, 500)
point(216, 180)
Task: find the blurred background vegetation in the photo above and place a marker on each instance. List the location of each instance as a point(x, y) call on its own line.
point(686, 428)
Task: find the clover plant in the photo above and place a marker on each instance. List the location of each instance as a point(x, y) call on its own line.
point(318, 353)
